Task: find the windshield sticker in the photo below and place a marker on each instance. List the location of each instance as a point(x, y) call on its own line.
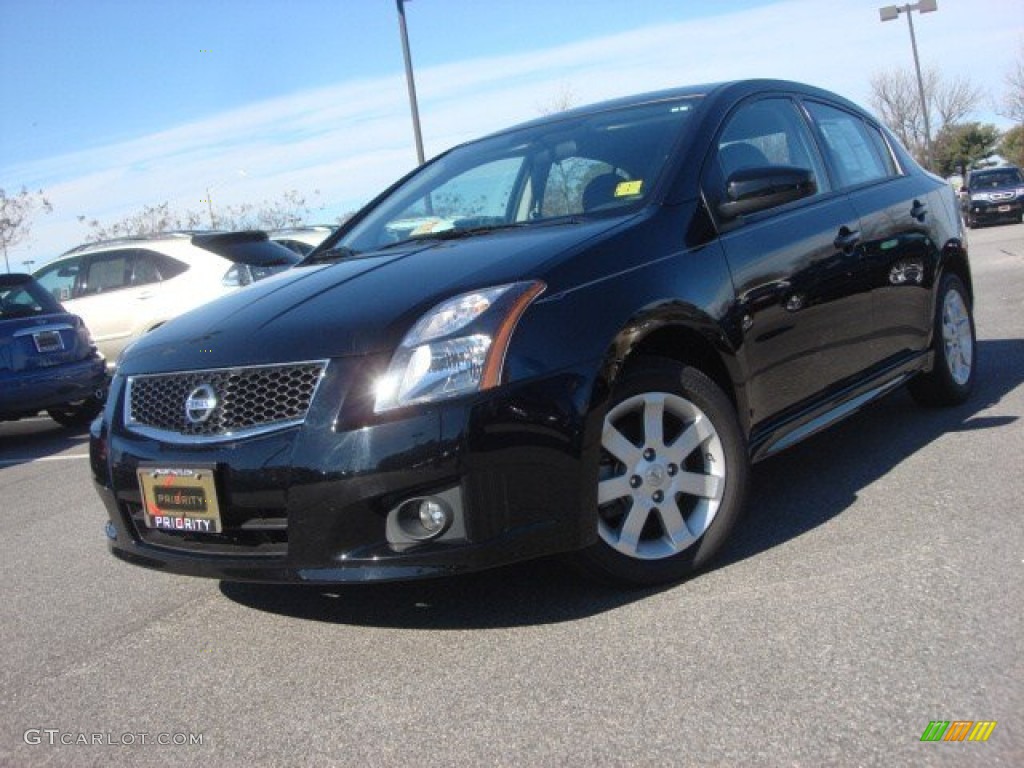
point(626, 188)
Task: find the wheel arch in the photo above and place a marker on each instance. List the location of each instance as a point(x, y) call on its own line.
point(955, 261)
point(685, 336)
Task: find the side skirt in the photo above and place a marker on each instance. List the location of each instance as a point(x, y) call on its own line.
point(780, 434)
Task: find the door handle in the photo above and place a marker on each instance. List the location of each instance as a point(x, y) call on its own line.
point(847, 239)
point(919, 210)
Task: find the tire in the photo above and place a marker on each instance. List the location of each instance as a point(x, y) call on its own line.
point(672, 477)
point(955, 349)
point(76, 414)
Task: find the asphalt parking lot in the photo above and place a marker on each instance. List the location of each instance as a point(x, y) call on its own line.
point(875, 586)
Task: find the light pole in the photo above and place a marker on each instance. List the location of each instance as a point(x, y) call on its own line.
point(409, 80)
point(890, 12)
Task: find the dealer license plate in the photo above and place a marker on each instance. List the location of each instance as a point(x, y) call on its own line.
point(1004, 209)
point(182, 499)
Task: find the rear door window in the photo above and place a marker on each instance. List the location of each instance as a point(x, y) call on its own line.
point(855, 149)
point(107, 272)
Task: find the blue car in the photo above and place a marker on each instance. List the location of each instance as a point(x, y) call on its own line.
point(47, 358)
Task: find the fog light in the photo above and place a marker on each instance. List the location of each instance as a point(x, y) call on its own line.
point(433, 517)
point(424, 518)
point(428, 518)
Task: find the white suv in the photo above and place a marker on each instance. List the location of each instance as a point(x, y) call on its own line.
point(124, 288)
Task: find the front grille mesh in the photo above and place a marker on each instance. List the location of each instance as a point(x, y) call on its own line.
point(247, 399)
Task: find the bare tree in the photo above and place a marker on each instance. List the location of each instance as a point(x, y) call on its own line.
point(563, 100)
point(150, 220)
point(289, 210)
point(894, 95)
point(1012, 105)
point(16, 213)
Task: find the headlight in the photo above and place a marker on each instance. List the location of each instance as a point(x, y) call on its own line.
point(456, 347)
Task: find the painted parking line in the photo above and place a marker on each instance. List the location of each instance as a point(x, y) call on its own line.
point(34, 460)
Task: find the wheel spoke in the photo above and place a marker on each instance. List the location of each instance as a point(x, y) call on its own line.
point(632, 527)
point(697, 484)
point(691, 438)
point(675, 526)
point(701, 518)
point(613, 488)
point(619, 446)
point(654, 420)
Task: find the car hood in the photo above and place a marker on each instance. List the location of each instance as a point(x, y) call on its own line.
point(357, 306)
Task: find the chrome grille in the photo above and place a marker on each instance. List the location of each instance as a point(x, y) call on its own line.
point(245, 401)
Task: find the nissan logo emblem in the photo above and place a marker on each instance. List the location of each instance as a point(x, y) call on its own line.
point(200, 404)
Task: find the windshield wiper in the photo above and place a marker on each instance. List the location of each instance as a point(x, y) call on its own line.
point(457, 234)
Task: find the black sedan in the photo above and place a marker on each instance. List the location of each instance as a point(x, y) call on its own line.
point(571, 336)
point(47, 358)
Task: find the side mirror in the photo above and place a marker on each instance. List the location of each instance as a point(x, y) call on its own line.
point(750, 190)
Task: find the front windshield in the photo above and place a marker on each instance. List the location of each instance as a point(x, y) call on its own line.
point(1002, 178)
point(609, 161)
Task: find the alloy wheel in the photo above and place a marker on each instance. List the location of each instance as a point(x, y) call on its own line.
point(663, 476)
point(957, 337)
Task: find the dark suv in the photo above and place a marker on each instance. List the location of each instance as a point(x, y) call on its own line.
point(992, 194)
point(571, 336)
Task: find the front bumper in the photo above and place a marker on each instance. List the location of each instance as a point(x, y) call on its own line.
point(312, 503)
point(983, 211)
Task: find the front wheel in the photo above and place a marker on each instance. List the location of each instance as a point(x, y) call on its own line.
point(672, 477)
point(952, 376)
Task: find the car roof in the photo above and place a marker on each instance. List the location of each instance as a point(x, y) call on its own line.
point(194, 247)
point(733, 89)
point(177, 236)
point(993, 169)
point(11, 279)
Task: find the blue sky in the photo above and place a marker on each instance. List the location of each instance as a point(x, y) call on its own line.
point(116, 104)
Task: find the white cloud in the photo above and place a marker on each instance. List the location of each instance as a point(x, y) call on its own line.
point(350, 140)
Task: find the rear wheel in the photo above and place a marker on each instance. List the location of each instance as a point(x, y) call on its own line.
point(672, 477)
point(952, 377)
point(76, 414)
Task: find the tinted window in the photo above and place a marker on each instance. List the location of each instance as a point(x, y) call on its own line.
point(25, 298)
point(152, 267)
point(766, 133)
point(852, 146)
point(107, 272)
point(59, 279)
